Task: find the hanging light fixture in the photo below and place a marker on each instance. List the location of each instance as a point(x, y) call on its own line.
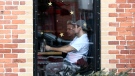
point(85, 4)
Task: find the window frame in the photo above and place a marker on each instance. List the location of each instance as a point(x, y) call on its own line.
point(95, 57)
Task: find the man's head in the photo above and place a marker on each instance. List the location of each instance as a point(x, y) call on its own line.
point(70, 28)
point(82, 24)
point(80, 27)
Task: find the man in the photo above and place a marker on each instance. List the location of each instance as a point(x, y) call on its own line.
point(78, 48)
point(70, 29)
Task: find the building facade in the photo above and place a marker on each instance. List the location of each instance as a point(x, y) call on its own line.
point(16, 36)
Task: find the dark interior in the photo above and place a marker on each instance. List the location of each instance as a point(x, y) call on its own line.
point(50, 21)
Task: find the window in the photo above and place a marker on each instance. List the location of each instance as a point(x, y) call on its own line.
point(51, 16)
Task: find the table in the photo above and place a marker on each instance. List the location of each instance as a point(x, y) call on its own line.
point(49, 53)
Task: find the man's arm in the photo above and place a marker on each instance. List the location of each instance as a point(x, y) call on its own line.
point(64, 49)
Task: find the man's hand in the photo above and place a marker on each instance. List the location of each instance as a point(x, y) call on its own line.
point(47, 48)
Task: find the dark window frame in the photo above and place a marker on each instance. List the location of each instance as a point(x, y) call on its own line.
point(95, 57)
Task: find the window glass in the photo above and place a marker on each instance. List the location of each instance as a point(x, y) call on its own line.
point(54, 14)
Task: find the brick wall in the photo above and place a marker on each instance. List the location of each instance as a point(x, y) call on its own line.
point(118, 35)
point(16, 38)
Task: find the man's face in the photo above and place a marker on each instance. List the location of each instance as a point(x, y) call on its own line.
point(70, 30)
point(76, 29)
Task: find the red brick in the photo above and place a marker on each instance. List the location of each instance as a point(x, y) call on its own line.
point(119, 10)
point(18, 40)
point(132, 61)
point(113, 14)
point(123, 69)
point(5, 50)
point(128, 19)
point(22, 2)
point(11, 74)
point(1, 17)
point(1, 36)
point(131, 74)
point(7, 36)
point(2, 74)
point(113, 52)
point(121, 19)
point(4, 21)
point(19, 60)
point(11, 7)
point(131, 65)
point(130, 37)
point(133, 5)
point(14, 36)
point(16, 70)
point(5, 60)
point(15, 2)
point(130, 28)
point(131, 1)
point(2, 70)
point(10, 65)
point(125, 6)
point(18, 31)
point(10, 26)
point(120, 1)
point(132, 51)
point(128, 33)
point(1, 8)
point(113, 61)
point(1, 45)
point(18, 12)
point(8, 2)
point(10, 45)
point(129, 10)
point(5, 40)
point(133, 70)
point(8, 70)
point(126, 24)
point(134, 16)
point(120, 29)
point(10, 55)
point(121, 65)
point(113, 42)
point(10, 17)
point(6, 12)
point(124, 52)
point(5, 31)
point(120, 38)
point(22, 70)
point(112, 5)
point(114, 24)
point(113, 33)
point(120, 56)
point(125, 15)
point(1, 65)
point(122, 42)
point(1, 26)
point(130, 56)
point(124, 60)
point(2, 3)
point(131, 47)
point(18, 21)
point(130, 43)
point(18, 51)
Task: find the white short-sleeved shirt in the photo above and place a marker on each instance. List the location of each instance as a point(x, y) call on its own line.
point(81, 44)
